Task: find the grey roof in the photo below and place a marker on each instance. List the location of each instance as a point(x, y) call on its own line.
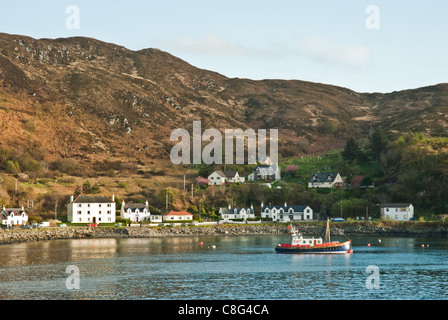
point(7, 211)
point(227, 174)
point(84, 198)
point(226, 210)
point(296, 208)
point(266, 166)
point(395, 205)
point(134, 206)
point(323, 177)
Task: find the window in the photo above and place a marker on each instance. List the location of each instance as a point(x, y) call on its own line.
point(108, 205)
point(108, 211)
point(88, 212)
point(79, 212)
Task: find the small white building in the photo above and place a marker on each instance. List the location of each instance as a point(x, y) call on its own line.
point(135, 212)
point(174, 216)
point(325, 180)
point(397, 211)
point(218, 178)
point(286, 213)
point(91, 209)
point(265, 172)
point(13, 216)
point(230, 213)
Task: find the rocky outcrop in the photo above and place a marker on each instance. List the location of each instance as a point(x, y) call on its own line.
point(347, 229)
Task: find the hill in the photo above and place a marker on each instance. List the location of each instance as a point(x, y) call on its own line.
point(73, 109)
point(86, 99)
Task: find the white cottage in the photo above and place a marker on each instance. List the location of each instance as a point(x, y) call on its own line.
point(265, 172)
point(286, 213)
point(325, 180)
point(135, 212)
point(397, 211)
point(218, 178)
point(230, 213)
point(174, 216)
point(91, 209)
point(13, 216)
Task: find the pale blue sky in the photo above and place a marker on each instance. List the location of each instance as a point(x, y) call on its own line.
point(323, 41)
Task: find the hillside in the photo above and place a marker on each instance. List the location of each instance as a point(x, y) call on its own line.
point(79, 109)
point(86, 99)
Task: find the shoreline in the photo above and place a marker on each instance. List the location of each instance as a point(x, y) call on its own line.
point(401, 229)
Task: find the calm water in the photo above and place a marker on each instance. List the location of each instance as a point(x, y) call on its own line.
point(238, 268)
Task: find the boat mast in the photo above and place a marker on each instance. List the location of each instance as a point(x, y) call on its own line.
point(327, 233)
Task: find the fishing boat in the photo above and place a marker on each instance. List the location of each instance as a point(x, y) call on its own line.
point(302, 245)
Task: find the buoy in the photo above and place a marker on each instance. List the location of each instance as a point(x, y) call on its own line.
point(213, 246)
point(201, 243)
point(423, 245)
point(379, 240)
point(368, 244)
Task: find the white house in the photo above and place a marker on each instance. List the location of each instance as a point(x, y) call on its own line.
point(230, 213)
point(174, 216)
point(265, 172)
point(218, 178)
point(13, 216)
point(286, 212)
point(91, 209)
point(397, 211)
point(325, 180)
point(136, 212)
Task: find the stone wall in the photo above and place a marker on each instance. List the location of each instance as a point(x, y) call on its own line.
point(307, 229)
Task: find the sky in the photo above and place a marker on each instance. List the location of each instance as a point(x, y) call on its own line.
point(366, 46)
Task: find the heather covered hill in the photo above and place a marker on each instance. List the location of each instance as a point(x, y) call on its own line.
point(90, 100)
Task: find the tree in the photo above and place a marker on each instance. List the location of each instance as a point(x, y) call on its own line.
point(201, 181)
point(292, 169)
point(351, 151)
point(378, 142)
point(88, 188)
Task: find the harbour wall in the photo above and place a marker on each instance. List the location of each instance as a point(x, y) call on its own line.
point(437, 229)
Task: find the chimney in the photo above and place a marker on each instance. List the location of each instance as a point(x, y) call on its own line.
point(262, 204)
point(113, 197)
point(71, 199)
point(229, 207)
point(285, 204)
point(146, 202)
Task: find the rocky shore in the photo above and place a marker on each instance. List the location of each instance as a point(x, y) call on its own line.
point(437, 229)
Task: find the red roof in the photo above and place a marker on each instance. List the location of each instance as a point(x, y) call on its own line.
point(178, 213)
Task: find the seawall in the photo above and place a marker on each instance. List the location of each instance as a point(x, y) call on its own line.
point(437, 229)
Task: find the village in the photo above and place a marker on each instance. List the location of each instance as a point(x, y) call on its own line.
point(99, 209)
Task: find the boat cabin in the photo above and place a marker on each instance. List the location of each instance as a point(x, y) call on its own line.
point(298, 240)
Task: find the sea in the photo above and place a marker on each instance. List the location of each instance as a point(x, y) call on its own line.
point(226, 268)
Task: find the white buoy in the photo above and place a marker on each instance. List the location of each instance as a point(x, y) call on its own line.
point(213, 246)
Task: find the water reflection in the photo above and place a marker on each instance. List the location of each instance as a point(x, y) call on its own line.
point(245, 267)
